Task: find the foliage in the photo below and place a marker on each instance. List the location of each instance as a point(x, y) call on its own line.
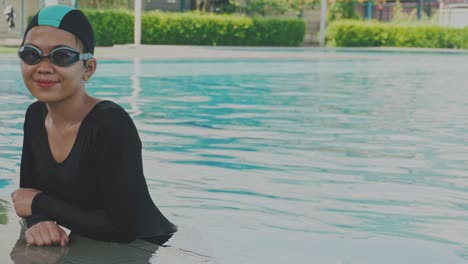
point(249, 7)
point(211, 29)
point(351, 33)
point(399, 16)
point(266, 7)
point(116, 27)
point(298, 6)
point(346, 9)
point(303, 4)
point(111, 26)
point(342, 9)
point(272, 7)
point(102, 3)
point(3, 212)
point(276, 32)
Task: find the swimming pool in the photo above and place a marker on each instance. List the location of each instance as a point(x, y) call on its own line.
point(350, 157)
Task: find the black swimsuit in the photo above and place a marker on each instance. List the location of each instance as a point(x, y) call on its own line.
point(99, 190)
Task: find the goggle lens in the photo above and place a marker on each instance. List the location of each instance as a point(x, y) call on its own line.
point(29, 55)
point(62, 56)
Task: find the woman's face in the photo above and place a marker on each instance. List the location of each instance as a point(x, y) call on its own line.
point(48, 82)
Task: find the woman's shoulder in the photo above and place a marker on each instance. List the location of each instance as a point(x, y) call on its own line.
point(110, 121)
point(107, 106)
point(35, 109)
point(35, 106)
point(109, 113)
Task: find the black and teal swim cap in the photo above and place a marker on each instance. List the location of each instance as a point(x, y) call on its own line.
point(66, 18)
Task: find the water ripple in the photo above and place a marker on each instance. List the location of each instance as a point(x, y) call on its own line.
point(360, 147)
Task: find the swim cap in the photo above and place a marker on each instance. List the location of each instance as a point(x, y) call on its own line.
point(66, 18)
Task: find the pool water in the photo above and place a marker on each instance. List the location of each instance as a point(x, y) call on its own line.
point(352, 157)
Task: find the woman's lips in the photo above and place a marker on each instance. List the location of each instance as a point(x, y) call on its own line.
point(45, 83)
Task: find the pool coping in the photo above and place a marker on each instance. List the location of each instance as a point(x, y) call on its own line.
point(173, 52)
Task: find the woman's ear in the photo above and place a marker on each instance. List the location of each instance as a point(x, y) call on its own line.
point(90, 69)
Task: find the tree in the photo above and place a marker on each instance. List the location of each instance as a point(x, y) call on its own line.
point(342, 9)
point(103, 3)
point(274, 7)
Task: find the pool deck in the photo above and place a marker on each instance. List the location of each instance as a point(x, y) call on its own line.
point(171, 52)
point(168, 52)
point(174, 52)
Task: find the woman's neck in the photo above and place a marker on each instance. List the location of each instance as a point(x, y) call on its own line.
point(70, 111)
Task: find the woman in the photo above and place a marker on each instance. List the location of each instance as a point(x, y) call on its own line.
point(81, 165)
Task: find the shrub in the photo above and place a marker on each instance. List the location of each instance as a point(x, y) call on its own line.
point(116, 27)
point(111, 26)
point(351, 33)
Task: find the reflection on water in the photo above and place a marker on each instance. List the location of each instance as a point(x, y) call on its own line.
point(83, 250)
point(22, 253)
point(332, 160)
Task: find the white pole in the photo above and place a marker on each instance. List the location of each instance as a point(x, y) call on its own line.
point(323, 19)
point(137, 33)
point(442, 13)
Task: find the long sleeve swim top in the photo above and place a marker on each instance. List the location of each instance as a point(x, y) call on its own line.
point(99, 190)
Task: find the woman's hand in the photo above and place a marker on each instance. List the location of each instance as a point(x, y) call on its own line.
point(46, 233)
point(22, 200)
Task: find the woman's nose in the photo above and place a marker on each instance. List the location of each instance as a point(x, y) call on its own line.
point(45, 66)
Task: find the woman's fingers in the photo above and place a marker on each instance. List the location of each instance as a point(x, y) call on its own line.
point(36, 237)
point(46, 233)
point(63, 237)
point(54, 233)
point(29, 237)
point(64, 241)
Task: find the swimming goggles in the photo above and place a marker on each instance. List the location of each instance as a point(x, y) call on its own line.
point(61, 56)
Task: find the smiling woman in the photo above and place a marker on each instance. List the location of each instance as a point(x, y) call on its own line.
point(81, 165)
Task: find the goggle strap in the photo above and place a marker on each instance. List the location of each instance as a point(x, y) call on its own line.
point(86, 56)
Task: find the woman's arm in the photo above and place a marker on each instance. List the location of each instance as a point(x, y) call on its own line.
point(41, 230)
point(27, 168)
point(120, 179)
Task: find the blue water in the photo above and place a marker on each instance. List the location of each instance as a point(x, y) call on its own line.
point(352, 157)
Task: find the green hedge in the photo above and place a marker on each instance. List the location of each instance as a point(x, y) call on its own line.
point(116, 27)
point(352, 33)
point(111, 26)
